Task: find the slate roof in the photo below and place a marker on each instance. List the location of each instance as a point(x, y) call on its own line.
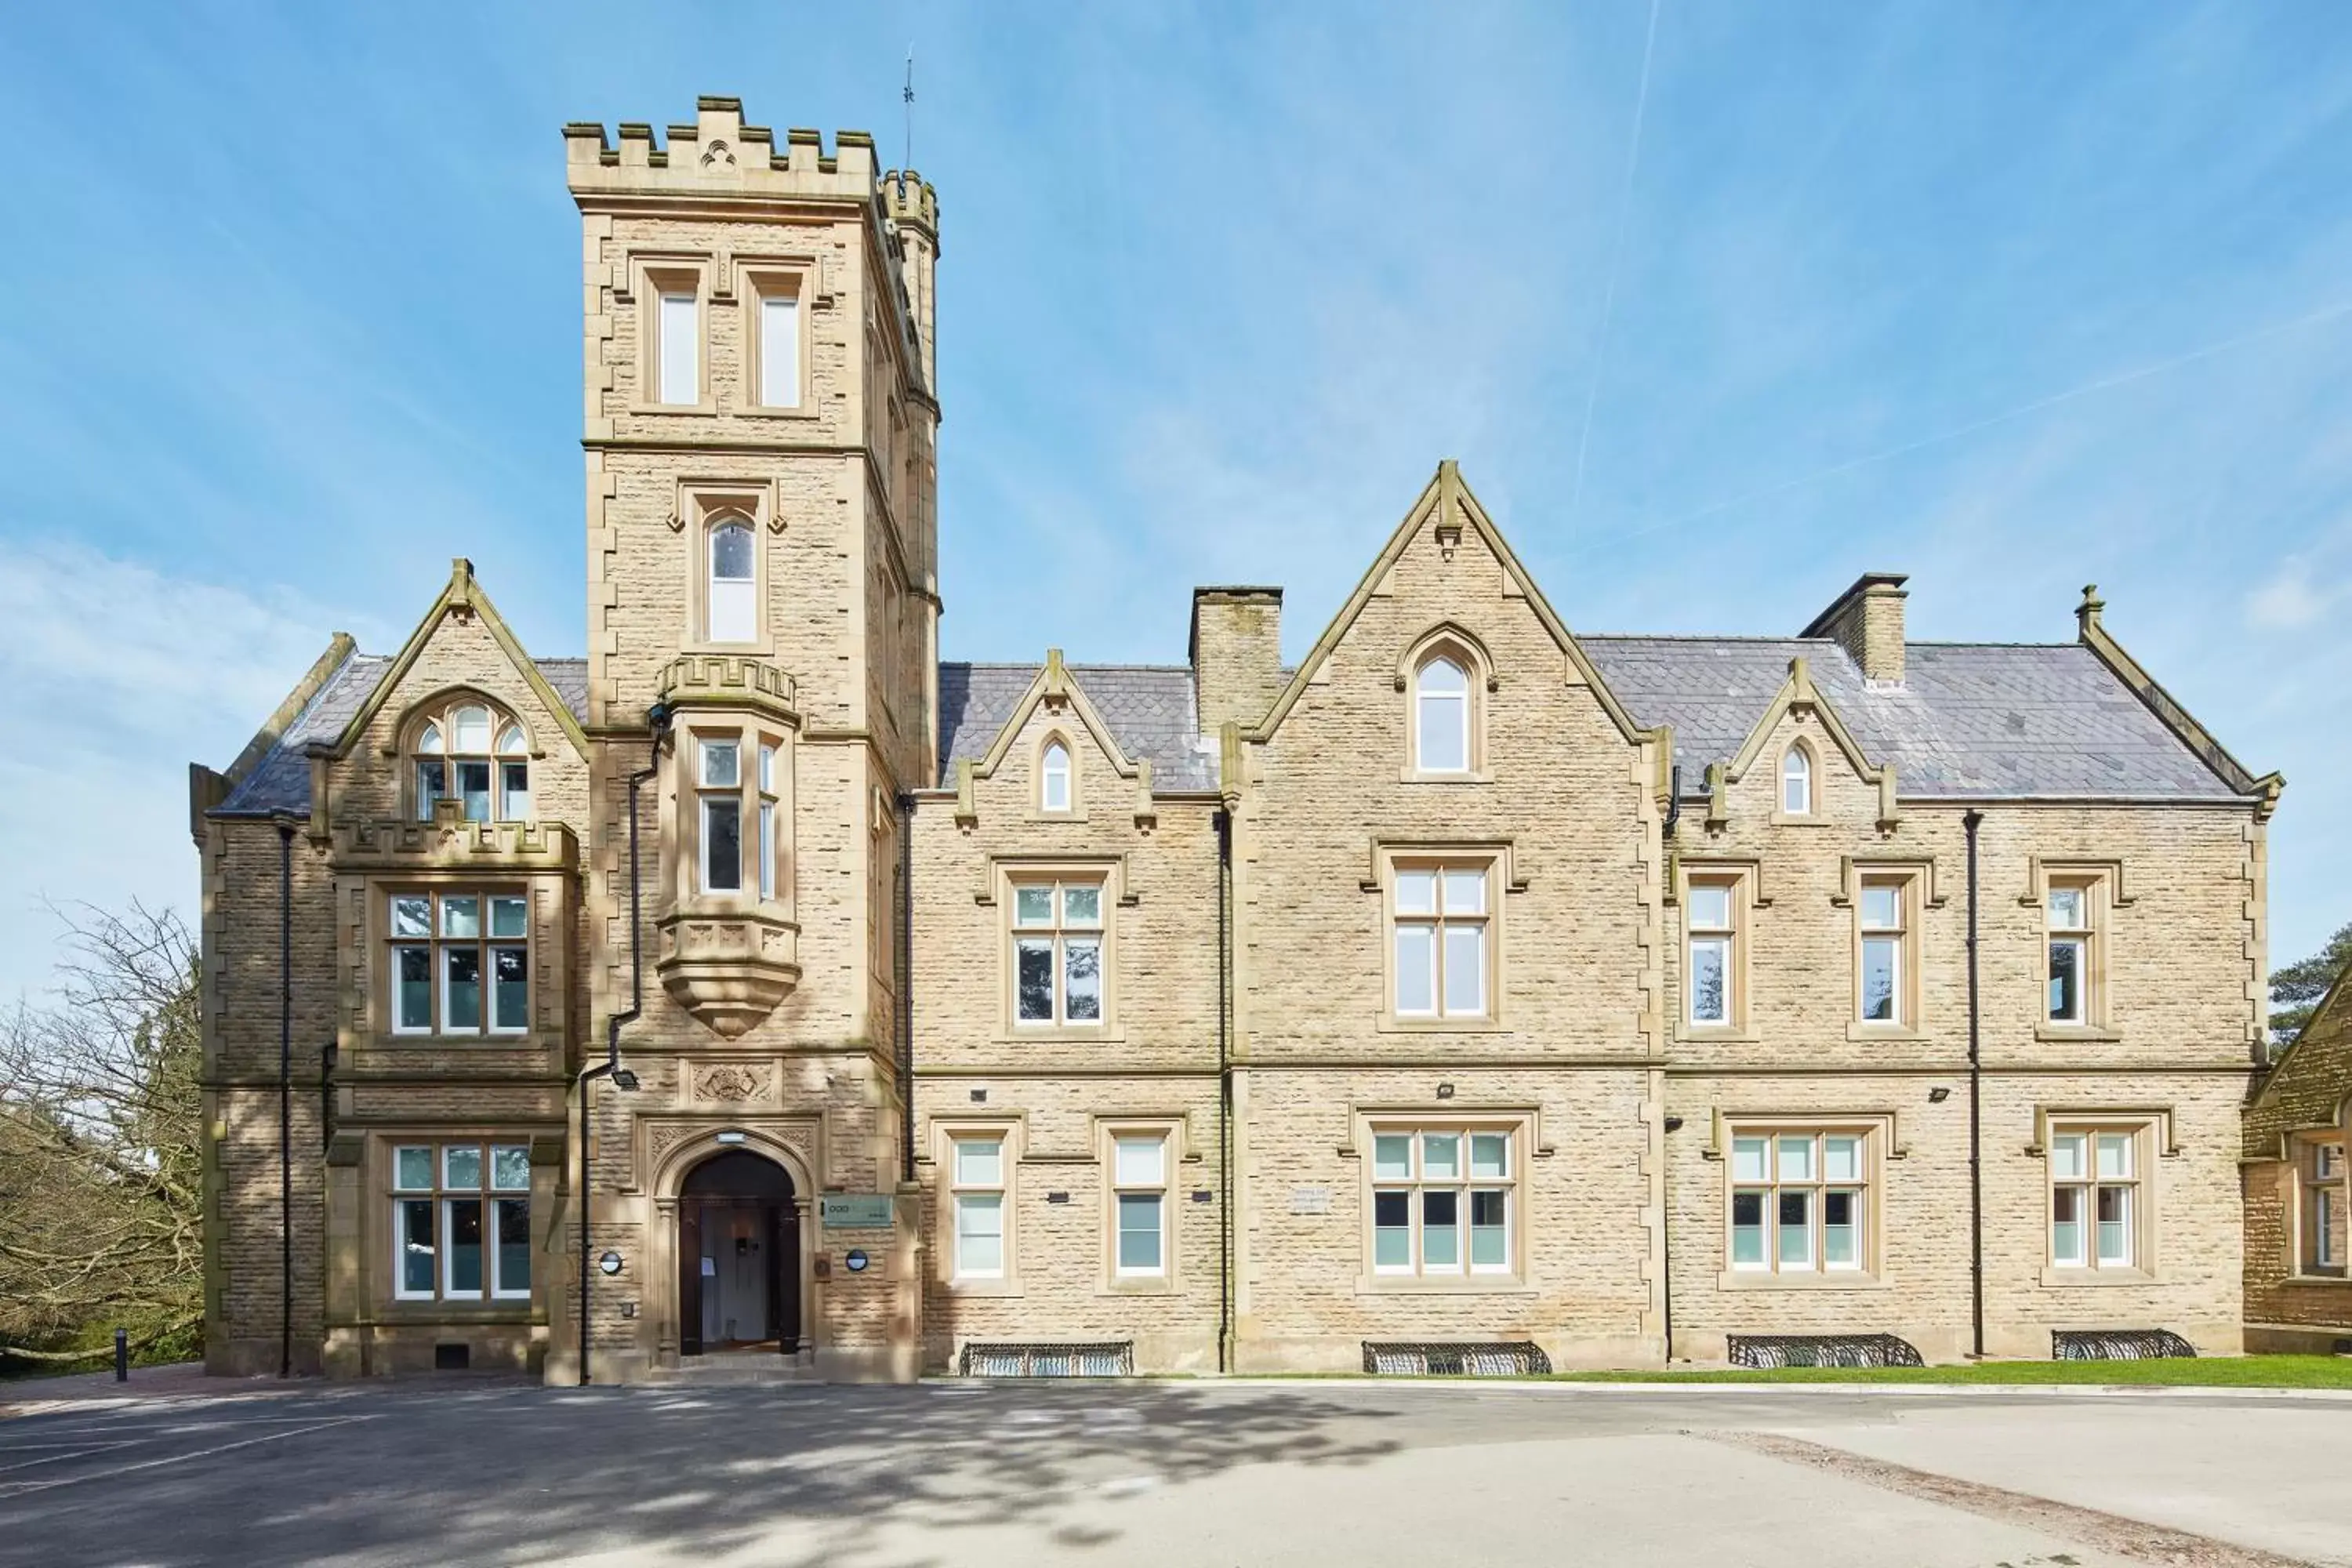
point(281, 780)
point(1969, 719)
point(1147, 708)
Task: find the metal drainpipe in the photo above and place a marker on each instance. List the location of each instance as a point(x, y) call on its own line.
point(1225, 824)
point(658, 721)
point(285, 1096)
point(1976, 1112)
point(907, 987)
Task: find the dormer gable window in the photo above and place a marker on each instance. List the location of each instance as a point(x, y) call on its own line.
point(1796, 781)
point(1054, 778)
point(472, 752)
point(1441, 717)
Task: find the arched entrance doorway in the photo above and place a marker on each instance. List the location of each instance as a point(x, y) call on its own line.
point(737, 1257)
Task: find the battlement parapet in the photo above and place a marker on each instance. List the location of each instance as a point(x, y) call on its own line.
point(717, 155)
point(910, 202)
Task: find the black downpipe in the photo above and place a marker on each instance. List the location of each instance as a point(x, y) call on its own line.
point(907, 987)
point(611, 1065)
point(285, 1098)
point(1225, 822)
point(1673, 801)
point(1976, 1112)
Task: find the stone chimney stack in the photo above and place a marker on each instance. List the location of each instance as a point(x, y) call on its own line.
point(1867, 620)
point(1237, 655)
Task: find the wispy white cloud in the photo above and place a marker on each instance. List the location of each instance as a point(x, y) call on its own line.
point(2289, 600)
point(113, 676)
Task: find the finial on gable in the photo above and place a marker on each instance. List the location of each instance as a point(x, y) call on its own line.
point(1800, 680)
point(2086, 613)
point(461, 585)
point(1057, 674)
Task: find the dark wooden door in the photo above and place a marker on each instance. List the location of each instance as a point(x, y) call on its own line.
point(689, 1277)
point(784, 1279)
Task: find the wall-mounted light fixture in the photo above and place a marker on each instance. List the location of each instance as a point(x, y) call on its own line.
point(1938, 1095)
point(1445, 1092)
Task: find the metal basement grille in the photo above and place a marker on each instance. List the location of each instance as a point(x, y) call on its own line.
point(2117, 1344)
point(1823, 1349)
point(1113, 1358)
point(1393, 1358)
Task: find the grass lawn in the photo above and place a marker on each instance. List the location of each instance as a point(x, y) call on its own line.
point(2209, 1372)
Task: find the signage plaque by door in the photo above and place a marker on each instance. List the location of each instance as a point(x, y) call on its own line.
point(855, 1211)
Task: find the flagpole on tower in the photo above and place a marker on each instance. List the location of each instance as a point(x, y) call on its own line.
point(908, 95)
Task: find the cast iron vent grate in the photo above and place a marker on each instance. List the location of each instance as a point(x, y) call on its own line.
point(1823, 1349)
point(1415, 1358)
point(2117, 1344)
point(1106, 1358)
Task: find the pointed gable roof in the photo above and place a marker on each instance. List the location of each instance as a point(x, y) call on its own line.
point(1445, 501)
point(462, 594)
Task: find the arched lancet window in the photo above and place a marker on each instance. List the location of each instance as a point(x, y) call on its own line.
point(1442, 717)
point(1054, 777)
point(455, 755)
point(1797, 782)
point(732, 592)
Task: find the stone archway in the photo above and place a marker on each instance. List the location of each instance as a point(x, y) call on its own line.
point(732, 1255)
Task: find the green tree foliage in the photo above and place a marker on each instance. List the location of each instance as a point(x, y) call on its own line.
point(2297, 988)
point(101, 1148)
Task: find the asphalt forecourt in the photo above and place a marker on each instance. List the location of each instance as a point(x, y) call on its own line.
point(1261, 1472)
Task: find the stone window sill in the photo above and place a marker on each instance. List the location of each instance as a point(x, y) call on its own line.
point(2338, 1280)
point(1145, 1286)
point(1478, 777)
point(1759, 1280)
point(2078, 1034)
point(1475, 1285)
point(1898, 1034)
point(1389, 1024)
point(2095, 1278)
point(1710, 1035)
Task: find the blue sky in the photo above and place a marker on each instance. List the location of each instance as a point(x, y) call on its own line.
point(2011, 297)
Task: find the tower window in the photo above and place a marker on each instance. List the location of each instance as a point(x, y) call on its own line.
point(733, 601)
point(780, 351)
point(679, 343)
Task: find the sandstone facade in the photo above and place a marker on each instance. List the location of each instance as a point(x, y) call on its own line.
point(1471, 983)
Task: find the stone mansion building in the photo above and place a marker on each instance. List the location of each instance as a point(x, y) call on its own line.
point(1476, 991)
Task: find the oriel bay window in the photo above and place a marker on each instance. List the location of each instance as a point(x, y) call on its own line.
point(1443, 1201)
point(1057, 952)
point(2096, 1198)
point(458, 961)
point(1800, 1200)
point(737, 787)
point(461, 1222)
point(1441, 955)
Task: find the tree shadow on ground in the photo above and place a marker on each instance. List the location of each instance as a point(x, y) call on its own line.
point(795, 1475)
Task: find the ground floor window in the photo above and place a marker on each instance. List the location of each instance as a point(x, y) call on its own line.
point(2096, 1197)
point(2324, 1179)
point(1443, 1201)
point(977, 1172)
point(461, 1221)
point(1140, 1205)
point(1799, 1198)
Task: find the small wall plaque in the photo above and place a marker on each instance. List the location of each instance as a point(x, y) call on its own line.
point(1310, 1200)
point(855, 1211)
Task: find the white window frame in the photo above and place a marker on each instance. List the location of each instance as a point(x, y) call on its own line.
point(962, 1189)
point(735, 598)
point(1773, 1180)
point(2081, 936)
point(1701, 932)
point(1430, 708)
point(1437, 925)
point(1063, 935)
point(437, 747)
point(1797, 770)
point(1055, 767)
point(776, 300)
point(486, 942)
point(440, 1198)
point(1156, 1185)
point(670, 357)
point(1464, 1181)
point(711, 792)
point(1898, 937)
point(2086, 1185)
point(2323, 1179)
